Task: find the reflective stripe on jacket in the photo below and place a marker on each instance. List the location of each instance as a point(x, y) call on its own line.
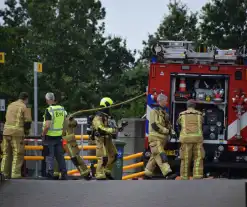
point(191, 126)
point(159, 124)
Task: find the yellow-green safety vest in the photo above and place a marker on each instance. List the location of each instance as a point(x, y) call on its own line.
point(57, 113)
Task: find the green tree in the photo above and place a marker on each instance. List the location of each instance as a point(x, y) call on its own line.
point(79, 64)
point(224, 23)
point(179, 24)
point(96, 62)
point(133, 83)
point(67, 38)
point(117, 60)
point(14, 73)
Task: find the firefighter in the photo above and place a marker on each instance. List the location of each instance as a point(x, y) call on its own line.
point(159, 130)
point(106, 151)
point(191, 139)
point(53, 127)
point(91, 142)
point(1, 138)
point(71, 147)
point(18, 123)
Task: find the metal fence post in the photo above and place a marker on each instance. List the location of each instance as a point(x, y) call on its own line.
point(35, 75)
point(82, 133)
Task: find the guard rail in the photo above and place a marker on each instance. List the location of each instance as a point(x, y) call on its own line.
point(89, 147)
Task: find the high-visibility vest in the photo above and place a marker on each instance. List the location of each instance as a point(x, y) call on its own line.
point(57, 113)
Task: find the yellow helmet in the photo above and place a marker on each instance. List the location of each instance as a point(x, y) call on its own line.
point(106, 102)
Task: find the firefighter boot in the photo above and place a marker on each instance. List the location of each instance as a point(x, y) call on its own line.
point(171, 176)
point(86, 174)
point(148, 174)
point(81, 167)
point(108, 174)
point(112, 158)
point(50, 175)
point(56, 174)
point(100, 173)
point(64, 176)
point(87, 177)
point(100, 169)
point(167, 172)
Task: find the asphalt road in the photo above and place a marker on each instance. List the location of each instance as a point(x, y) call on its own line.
point(145, 193)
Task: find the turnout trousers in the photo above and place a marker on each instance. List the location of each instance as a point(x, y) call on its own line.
point(158, 157)
point(191, 152)
point(106, 154)
point(72, 148)
point(12, 156)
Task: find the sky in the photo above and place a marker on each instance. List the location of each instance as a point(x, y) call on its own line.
point(135, 19)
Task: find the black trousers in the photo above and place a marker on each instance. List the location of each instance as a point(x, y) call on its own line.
point(54, 149)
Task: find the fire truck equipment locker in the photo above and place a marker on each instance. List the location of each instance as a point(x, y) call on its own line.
point(216, 80)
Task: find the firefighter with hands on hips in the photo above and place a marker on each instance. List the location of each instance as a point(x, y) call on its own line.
point(191, 139)
point(53, 128)
point(71, 147)
point(106, 151)
point(17, 125)
point(159, 131)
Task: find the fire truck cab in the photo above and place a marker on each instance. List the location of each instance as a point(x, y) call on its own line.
point(217, 81)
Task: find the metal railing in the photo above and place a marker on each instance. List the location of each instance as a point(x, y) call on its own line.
point(92, 147)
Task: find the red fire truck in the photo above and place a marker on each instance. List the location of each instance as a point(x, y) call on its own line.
point(217, 80)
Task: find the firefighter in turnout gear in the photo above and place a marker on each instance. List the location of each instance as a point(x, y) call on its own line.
point(71, 147)
point(53, 128)
point(191, 139)
point(159, 130)
point(106, 151)
point(17, 125)
point(91, 142)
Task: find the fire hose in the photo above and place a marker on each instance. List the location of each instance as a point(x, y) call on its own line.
point(112, 106)
point(92, 110)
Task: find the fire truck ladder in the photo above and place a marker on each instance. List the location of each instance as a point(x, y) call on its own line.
point(184, 52)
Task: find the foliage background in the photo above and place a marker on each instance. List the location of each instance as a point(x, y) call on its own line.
point(81, 64)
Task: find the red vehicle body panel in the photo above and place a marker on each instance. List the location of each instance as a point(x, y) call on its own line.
point(162, 83)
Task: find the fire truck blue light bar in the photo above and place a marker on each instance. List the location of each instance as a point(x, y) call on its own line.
point(214, 68)
point(154, 60)
point(185, 67)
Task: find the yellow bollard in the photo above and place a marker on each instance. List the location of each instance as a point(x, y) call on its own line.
point(89, 147)
point(31, 147)
point(33, 158)
point(78, 137)
point(129, 157)
point(135, 175)
point(66, 157)
point(83, 157)
point(135, 165)
point(71, 172)
point(127, 167)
